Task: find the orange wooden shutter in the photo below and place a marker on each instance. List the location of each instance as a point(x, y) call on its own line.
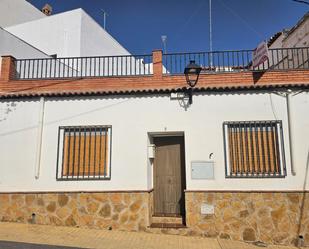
point(253, 151)
point(85, 154)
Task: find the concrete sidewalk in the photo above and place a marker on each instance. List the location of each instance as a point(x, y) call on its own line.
point(91, 238)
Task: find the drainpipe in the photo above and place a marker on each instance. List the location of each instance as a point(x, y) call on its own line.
point(39, 138)
point(290, 128)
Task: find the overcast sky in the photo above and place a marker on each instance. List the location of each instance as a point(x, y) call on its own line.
point(139, 24)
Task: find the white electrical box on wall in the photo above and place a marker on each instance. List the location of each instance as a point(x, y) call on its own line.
point(202, 170)
point(151, 151)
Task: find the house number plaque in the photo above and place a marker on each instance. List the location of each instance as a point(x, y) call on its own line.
point(207, 209)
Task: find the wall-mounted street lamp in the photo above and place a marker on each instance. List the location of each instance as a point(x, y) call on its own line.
point(192, 72)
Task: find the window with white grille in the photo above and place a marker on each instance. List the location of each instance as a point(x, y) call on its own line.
point(84, 152)
point(254, 149)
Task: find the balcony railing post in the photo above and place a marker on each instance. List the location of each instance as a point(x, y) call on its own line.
point(157, 63)
point(8, 71)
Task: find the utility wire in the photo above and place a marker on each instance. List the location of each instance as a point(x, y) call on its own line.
point(241, 19)
point(199, 7)
point(301, 1)
point(65, 118)
point(273, 107)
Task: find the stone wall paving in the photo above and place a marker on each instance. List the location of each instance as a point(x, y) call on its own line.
point(124, 211)
point(269, 217)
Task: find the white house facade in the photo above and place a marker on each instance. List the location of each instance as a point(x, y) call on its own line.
point(134, 120)
point(92, 136)
point(130, 152)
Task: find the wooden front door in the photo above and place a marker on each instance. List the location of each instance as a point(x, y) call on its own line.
point(169, 176)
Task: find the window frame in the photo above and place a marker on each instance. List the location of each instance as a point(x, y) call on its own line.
point(60, 152)
point(281, 159)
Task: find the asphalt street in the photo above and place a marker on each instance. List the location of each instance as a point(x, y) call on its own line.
point(18, 245)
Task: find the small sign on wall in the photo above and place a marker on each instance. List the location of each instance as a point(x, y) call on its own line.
point(207, 209)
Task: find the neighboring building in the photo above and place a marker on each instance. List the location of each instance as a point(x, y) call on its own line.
point(297, 36)
point(13, 12)
point(128, 152)
point(294, 39)
point(14, 46)
point(68, 34)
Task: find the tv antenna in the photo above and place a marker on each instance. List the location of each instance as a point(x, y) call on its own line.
point(104, 18)
point(210, 34)
point(164, 38)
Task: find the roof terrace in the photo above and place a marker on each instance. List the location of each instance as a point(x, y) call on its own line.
point(172, 64)
point(156, 72)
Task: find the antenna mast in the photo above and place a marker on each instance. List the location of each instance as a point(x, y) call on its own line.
point(164, 38)
point(210, 34)
point(104, 16)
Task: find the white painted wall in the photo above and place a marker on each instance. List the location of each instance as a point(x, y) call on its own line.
point(57, 34)
point(68, 34)
point(14, 12)
point(95, 41)
point(132, 117)
point(12, 45)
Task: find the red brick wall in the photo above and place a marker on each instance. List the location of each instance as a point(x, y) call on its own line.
point(7, 68)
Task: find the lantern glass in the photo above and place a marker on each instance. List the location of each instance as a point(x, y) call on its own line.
point(192, 79)
point(192, 72)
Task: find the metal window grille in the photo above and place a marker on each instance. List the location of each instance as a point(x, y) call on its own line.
point(254, 149)
point(84, 153)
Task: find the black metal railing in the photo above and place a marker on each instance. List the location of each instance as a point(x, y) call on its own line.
point(254, 149)
point(237, 61)
point(173, 64)
point(80, 67)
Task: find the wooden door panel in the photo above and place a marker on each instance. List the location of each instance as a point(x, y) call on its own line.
point(169, 175)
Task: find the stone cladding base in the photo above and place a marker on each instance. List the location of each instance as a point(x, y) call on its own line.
point(270, 217)
point(273, 218)
point(126, 211)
